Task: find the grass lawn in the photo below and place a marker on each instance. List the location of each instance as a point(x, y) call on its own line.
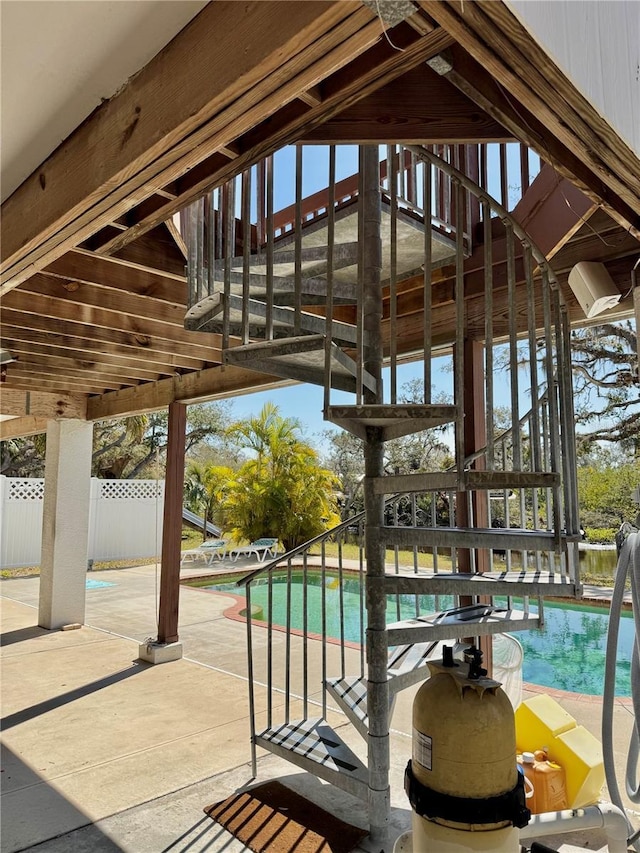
point(192, 538)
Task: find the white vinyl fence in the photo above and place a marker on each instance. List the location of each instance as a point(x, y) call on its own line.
point(125, 520)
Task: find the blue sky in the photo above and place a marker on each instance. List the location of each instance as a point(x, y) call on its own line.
point(305, 402)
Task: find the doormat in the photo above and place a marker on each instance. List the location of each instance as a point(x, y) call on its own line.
point(271, 818)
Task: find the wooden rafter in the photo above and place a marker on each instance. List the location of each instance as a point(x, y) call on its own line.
point(568, 128)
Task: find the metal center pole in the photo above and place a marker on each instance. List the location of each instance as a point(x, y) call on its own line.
point(378, 690)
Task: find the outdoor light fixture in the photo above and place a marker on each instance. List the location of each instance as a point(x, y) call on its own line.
point(593, 287)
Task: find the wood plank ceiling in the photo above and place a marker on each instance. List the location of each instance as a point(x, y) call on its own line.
point(93, 282)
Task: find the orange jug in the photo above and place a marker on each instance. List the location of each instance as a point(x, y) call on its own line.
point(548, 779)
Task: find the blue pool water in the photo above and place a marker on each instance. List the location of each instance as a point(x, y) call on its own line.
point(567, 653)
point(94, 584)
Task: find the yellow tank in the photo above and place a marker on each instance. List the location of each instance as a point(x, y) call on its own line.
point(462, 780)
point(542, 723)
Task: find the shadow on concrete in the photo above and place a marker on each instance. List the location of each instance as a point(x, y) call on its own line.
point(34, 812)
point(20, 634)
point(70, 696)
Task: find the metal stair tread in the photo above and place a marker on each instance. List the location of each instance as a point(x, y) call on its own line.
point(495, 538)
point(450, 625)
point(314, 745)
point(528, 582)
point(467, 480)
point(207, 316)
point(301, 358)
point(393, 420)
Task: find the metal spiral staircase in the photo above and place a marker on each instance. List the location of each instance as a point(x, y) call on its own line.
point(316, 293)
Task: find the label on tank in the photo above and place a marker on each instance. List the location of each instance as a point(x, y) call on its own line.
point(422, 749)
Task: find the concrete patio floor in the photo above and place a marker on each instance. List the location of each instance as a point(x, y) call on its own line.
point(104, 753)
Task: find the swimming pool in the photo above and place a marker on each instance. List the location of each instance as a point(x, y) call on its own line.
point(568, 653)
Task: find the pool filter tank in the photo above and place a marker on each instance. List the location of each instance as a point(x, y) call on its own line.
point(462, 781)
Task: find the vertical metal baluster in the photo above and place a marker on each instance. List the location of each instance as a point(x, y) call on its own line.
point(343, 663)
point(192, 255)
point(270, 237)
point(362, 350)
point(323, 616)
point(200, 249)
point(428, 272)
point(452, 515)
point(434, 523)
point(297, 288)
point(269, 648)
point(513, 349)
point(287, 656)
point(570, 462)
point(331, 223)
point(484, 169)
point(246, 252)
point(488, 333)
point(524, 169)
point(251, 684)
point(504, 178)
point(219, 231)
point(229, 253)
point(211, 243)
point(392, 169)
point(554, 427)
point(361, 571)
point(458, 391)
point(305, 637)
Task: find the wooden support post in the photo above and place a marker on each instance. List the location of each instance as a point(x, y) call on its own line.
point(172, 526)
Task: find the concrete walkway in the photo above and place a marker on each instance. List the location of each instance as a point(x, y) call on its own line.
point(104, 753)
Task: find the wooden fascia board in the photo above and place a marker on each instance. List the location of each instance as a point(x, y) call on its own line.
point(197, 75)
point(213, 384)
point(420, 108)
point(41, 404)
point(562, 135)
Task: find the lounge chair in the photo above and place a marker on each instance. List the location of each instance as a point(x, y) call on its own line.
point(209, 550)
point(262, 548)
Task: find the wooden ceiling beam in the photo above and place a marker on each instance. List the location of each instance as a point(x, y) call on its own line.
point(29, 328)
point(346, 86)
point(563, 135)
point(115, 158)
point(44, 359)
point(41, 404)
point(215, 383)
point(22, 427)
point(114, 299)
point(89, 312)
point(15, 381)
point(90, 268)
point(84, 381)
point(420, 108)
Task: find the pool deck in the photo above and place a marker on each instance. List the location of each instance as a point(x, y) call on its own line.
point(104, 753)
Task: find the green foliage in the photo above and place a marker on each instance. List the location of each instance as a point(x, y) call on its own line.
point(607, 491)
point(280, 491)
point(600, 535)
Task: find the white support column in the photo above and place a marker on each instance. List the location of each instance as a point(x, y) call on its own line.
point(65, 523)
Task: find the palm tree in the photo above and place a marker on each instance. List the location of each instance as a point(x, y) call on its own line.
point(204, 489)
point(282, 491)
